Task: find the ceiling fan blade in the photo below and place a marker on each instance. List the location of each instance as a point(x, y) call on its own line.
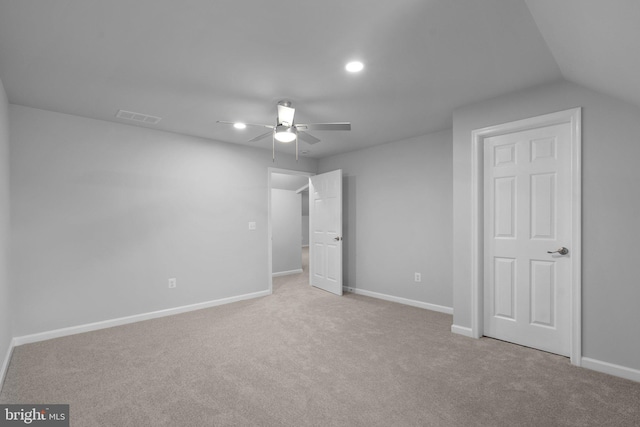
point(324, 126)
point(248, 124)
point(285, 115)
point(309, 139)
point(259, 137)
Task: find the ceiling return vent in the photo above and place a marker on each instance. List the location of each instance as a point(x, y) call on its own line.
point(138, 117)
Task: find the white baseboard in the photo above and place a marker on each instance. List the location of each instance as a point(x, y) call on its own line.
point(5, 362)
point(462, 330)
point(400, 300)
point(611, 369)
point(286, 273)
point(57, 333)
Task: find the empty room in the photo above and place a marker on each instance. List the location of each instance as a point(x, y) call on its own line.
point(310, 213)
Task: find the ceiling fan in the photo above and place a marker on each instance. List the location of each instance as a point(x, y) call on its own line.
point(285, 130)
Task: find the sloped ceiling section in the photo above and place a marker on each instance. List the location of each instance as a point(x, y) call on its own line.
point(595, 43)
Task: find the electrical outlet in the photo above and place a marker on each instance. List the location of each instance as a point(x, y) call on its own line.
point(418, 277)
point(172, 282)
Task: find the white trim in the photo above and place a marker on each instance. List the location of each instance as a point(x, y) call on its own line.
point(576, 219)
point(287, 273)
point(400, 300)
point(5, 363)
point(57, 333)
point(574, 117)
point(611, 369)
point(271, 170)
point(462, 330)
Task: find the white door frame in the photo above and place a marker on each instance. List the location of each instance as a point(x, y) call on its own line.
point(271, 170)
point(574, 118)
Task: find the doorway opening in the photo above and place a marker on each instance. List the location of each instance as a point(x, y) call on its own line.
point(285, 248)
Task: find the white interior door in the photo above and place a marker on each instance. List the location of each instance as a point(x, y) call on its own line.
point(527, 213)
point(325, 225)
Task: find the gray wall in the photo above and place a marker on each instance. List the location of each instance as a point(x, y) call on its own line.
point(286, 223)
point(611, 210)
point(397, 217)
point(5, 301)
point(105, 213)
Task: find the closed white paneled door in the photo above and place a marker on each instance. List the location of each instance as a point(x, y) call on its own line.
point(325, 223)
point(527, 215)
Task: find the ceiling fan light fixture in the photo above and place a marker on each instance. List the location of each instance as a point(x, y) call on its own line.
point(285, 133)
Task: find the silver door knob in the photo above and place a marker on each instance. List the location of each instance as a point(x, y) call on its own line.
point(337, 239)
point(561, 251)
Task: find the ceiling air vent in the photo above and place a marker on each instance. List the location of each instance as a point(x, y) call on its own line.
point(138, 117)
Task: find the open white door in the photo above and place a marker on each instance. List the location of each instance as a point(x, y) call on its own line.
point(325, 225)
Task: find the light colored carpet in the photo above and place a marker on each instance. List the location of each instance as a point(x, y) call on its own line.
point(305, 357)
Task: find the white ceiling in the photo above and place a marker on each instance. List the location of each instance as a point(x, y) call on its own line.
point(197, 61)
point(596, 43)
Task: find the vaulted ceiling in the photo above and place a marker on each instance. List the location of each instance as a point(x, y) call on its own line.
point(194, 62)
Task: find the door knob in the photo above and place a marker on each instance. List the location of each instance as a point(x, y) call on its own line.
point(337, 239)
point(561, 251)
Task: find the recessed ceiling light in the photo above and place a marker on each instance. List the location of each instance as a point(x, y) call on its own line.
point(239, 125)
point(354, 66)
